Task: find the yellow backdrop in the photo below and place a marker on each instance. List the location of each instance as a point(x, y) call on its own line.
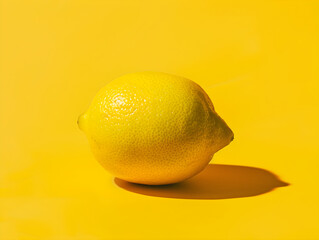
point(258, 61)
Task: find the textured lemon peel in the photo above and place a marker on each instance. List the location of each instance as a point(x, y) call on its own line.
point(154, 128)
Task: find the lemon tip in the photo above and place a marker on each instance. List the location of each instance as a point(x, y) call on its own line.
point(81, 121)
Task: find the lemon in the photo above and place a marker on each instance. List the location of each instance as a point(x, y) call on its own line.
point(153, 128)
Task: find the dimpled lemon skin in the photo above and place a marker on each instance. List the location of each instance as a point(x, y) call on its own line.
point(153, 128)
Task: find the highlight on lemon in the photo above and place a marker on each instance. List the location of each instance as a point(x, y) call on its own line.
point(154, 128)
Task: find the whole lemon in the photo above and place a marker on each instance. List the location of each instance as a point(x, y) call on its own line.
point(153, 128)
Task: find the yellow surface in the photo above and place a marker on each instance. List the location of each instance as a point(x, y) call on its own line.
point(258, 61)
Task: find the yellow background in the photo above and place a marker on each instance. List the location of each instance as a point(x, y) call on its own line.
point(258, 61)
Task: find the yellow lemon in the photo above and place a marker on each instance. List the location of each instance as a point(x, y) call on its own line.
point(153, 128)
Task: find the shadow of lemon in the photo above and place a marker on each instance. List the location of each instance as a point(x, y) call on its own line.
point(216, 181)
